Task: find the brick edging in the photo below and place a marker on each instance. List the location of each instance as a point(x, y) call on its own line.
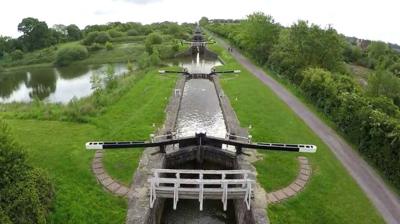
point(106, 180)
point(296, 186)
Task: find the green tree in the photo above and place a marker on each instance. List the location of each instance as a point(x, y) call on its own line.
point(152, 39)
point(17, 55)
point(259, 33)
point(102, 38)
point(384, 83)
point(36, 34)
point(203, 21)
point(73, 32)
point(132, 32)
point(302, 46)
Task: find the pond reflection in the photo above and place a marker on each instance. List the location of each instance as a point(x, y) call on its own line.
point(55, 85)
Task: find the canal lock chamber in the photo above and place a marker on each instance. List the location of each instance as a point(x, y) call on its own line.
point(200, 112)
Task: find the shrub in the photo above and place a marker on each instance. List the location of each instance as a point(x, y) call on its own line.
point(90, 37)
point(102, 38)
point(109, 46)
point(115, 33)
point(68, 54)
point(96, 37)
point(132, 32)
point(144, 60)
point(26, 192)
point(95, 47)
point(151, 40)
point(17, 55)
point(155, 58)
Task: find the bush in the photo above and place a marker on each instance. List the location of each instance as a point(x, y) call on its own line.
point(109, 46)
point(115, 33)
point(68, 54)
point(151, 40)
point(26, 192)
point(90, 37)
point(155, 58)
point(96, 37)
point(95, 47)
point(102, 38)
point(17, 55)
point(144, 60)
point(132, 32)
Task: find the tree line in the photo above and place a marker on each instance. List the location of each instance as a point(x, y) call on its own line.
point(313, 59)
point(36, 35)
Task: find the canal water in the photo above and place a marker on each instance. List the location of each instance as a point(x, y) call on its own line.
point(54, 85)
point(199, 112)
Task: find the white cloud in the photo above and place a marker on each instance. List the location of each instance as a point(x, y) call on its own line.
point(370, 19)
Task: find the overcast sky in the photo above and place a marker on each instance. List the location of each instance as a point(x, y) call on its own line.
point(369, 19)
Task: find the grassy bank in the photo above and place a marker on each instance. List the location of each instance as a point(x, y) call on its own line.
point(132, 118)
point(58, 147)
point(332, 196)
point(121, 52)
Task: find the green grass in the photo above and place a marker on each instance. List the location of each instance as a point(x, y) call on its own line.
point(121, 52)
point(331, 196)
point(124, 50)
point(132, 118)
point(58, 147)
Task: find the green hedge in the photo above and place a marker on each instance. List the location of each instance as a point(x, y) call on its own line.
point(26, 192)
point(372, 123)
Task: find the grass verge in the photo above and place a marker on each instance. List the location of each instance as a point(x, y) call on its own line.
point(331, 196)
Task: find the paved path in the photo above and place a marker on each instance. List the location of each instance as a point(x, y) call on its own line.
point(387, 203)
point(296, 186)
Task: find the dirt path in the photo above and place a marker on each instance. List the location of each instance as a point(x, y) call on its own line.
point(387, 202)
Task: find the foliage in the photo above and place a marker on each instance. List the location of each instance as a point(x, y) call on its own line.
point(203, 21)
point(132, 32)
point(102, 37)
point(258, 34)
point(312, 58)
point(144, 60)
point(35, 33)
point(115, 33)
point(17, 55)
point(272, 120)
point(73, 32)
point(26, 192)
point(152, 39)
point(384, 83)
point(96, 37)
point(304, 46)
point(155, 58)
point(68, 54)
point(95, 47)
point(109, 46)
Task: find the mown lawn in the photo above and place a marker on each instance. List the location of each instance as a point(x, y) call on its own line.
point(331, 196)
point(58, 147)
point(132, 118)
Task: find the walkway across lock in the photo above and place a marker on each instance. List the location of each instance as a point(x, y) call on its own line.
point(201, 184)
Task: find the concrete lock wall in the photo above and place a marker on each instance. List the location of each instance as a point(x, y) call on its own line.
point(139, 210)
